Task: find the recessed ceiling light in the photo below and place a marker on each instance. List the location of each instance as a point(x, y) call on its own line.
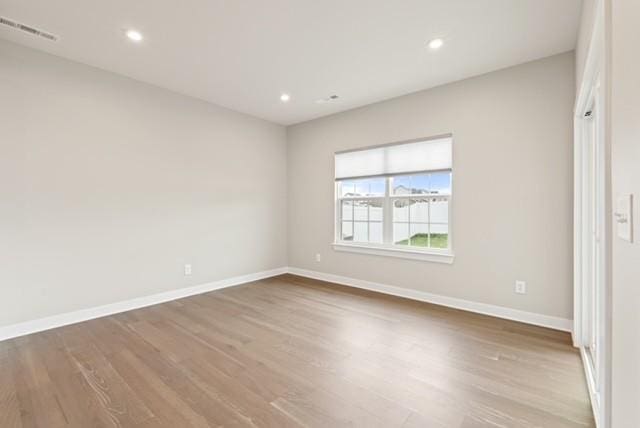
point(285, 97)
point(134, 35)
point(436, 44)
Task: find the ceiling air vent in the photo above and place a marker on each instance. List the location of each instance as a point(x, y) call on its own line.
point(329, 99)
point(27, 29)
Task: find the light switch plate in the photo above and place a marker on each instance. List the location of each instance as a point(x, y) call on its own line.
point(624, 217)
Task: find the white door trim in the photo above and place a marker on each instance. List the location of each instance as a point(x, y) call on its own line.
point(594, 79)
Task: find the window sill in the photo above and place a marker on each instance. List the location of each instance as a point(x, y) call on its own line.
point(424, 255)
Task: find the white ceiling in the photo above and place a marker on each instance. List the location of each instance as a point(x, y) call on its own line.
point(242, 54)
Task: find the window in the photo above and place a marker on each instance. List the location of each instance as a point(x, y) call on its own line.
point(361, 210)
point(395, 199)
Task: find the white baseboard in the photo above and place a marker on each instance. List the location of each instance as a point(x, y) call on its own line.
point(60, 320)
point(34, 326)
point(452, 302)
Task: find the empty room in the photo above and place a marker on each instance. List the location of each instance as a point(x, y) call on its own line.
point(297, 213)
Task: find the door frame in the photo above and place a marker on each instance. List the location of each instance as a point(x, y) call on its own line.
point(594, 79)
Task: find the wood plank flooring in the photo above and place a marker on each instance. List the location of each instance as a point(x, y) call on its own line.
point(291, 352)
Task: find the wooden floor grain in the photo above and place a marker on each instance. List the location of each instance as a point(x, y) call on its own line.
point(291, 352)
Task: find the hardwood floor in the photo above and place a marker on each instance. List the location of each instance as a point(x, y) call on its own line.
point(289, 351)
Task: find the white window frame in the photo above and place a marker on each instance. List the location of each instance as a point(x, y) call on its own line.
point(388, 248)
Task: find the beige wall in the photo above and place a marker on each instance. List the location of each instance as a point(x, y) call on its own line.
point(512, 205)
point(90, 218)
point(109, 186)
point(625, 168)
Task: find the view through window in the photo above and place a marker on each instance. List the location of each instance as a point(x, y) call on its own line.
point(403, 210)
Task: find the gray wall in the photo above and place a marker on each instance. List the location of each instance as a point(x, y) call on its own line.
point(623, 92)
point(109, 186)
point(512, 206)
point(625, 171)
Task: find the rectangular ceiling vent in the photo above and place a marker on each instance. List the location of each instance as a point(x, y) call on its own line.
point(27, 29)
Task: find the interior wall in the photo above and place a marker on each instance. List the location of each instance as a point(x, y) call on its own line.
point(625, 171)
point(512, 202)
point(108, 186)
point(91, 218)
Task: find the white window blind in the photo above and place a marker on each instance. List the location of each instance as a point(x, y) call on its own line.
point(427, 155)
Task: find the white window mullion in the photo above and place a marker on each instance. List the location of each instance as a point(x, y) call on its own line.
point(353, 221)
point(409, 222)
point(387, 213)
point(338, 229)
point(369, 221)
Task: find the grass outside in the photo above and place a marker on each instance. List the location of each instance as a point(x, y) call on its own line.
point(438, 240)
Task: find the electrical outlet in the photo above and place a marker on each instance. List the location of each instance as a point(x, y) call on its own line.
point(187, 270)
point(318, 257)
point(521, 287)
